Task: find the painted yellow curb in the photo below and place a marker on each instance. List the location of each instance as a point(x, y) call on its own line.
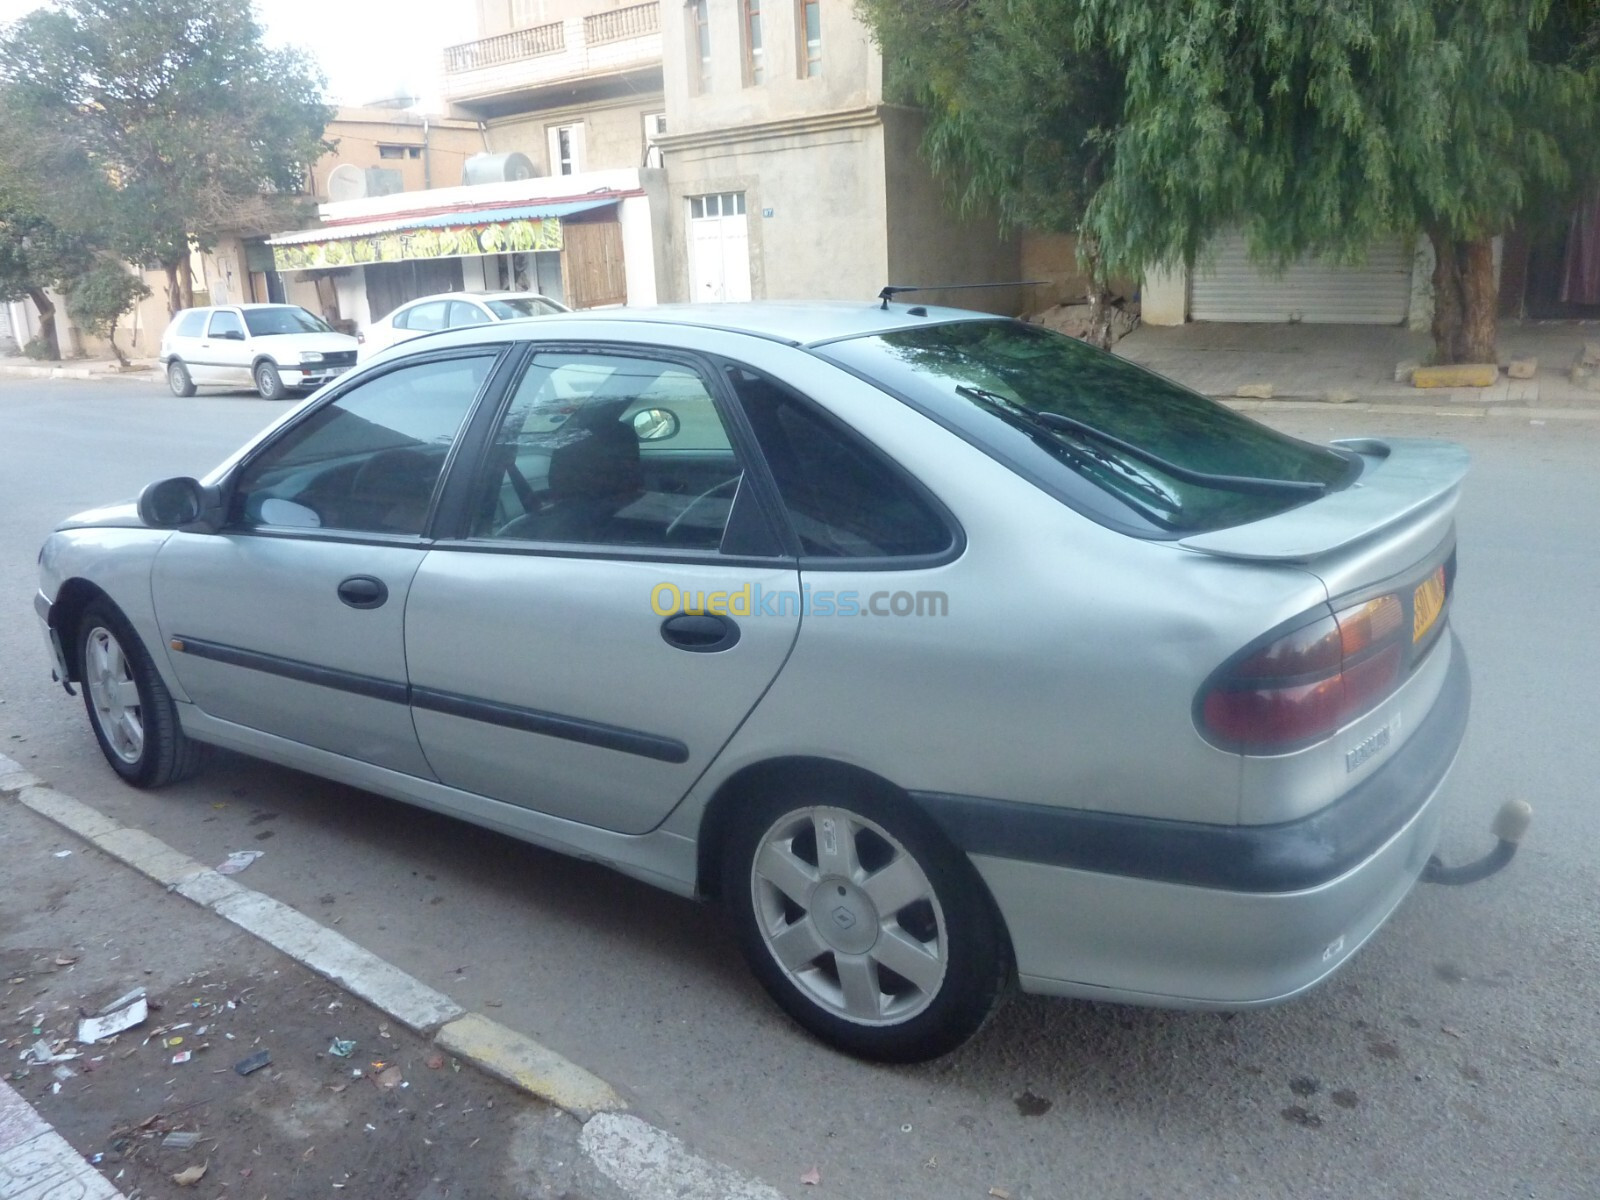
point(1458, 375)
point(524, 1063)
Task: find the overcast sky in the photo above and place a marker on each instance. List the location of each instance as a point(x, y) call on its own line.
point(367, 48)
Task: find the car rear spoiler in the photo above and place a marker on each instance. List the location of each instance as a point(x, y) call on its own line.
point(1403, 479)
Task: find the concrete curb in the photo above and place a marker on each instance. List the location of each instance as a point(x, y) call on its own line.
point(472, 1037)
point(1490, 410)
point(136, 375)
point(645, 1162)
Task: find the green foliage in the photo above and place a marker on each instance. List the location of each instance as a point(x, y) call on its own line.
point(1149, 126)
point(176, 104)
point(100, 296)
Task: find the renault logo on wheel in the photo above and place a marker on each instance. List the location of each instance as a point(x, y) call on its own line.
point(843, 917)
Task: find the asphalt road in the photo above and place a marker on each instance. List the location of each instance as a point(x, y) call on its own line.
point(1455, 1056)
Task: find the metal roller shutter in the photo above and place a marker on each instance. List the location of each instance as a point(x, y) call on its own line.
point(1232, 288)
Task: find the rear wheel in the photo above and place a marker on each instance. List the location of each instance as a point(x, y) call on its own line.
point(130, 709)
point(178, 379)
point(864, 923)
point(268, 382)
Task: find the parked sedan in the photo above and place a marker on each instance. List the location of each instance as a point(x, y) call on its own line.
point(948, 653)
point(452, 310)
point(275, 348)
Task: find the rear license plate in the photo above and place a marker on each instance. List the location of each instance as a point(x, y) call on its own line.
point(1427, 602)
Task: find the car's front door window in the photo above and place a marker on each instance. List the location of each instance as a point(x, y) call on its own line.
point(462, 314)
point(369, 460)
point(612, 449)
point(225, 324)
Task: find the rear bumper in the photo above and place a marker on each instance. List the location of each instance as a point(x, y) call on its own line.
point(1182, 914)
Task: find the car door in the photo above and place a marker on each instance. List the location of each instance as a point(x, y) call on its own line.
point(225, 350)
point(290, 620)
point(617, 602)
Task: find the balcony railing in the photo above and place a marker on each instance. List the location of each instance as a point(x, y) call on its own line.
point(621, 23)
point(506, 47)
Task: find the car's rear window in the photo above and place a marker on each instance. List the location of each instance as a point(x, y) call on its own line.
point(265, 322)
point(1155, 455)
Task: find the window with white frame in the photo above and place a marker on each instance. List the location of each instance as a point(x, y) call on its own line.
point(566, 149)
point(754, 61)
point(808, 37)
point(700, 45)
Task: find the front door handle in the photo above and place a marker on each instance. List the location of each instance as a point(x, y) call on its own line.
point(700, 633)
point(363, 591)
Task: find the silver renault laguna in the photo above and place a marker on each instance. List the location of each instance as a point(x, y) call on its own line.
point(948, 653)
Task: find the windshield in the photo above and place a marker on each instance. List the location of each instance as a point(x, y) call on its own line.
point(265, 322)
point(523, 306)
point(1064, 414)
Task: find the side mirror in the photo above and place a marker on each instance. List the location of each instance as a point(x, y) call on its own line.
point(654, 424)
point(234, 335)
point(180, 503)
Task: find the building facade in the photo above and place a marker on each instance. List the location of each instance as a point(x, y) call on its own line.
point(788, 174)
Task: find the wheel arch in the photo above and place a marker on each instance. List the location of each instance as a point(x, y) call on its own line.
point(66, 613)
point(263, 356)
point(716, 821)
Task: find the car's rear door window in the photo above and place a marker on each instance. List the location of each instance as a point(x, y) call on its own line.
point(193, 323)
point(427, 317)
point(606, 448)
point(1070, 416)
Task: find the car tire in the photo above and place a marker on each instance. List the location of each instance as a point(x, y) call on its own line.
point(268, 382)
point(178, 379)
point(129, 706)
point(887, 947)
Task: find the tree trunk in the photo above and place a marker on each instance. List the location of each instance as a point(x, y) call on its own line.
point(1480, 302)
point(186, 282)
point(47, 321)
point(111, 339)
point(1099, 297)
point(174, 293)
point(1448, 301)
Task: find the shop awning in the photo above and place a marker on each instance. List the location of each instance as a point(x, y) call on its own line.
point(513, 229)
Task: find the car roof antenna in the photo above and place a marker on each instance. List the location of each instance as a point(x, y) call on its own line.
point(894, 289)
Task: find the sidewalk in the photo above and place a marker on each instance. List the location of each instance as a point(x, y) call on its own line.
point(276, 1058)
point(140, 370)
point(1357, 363)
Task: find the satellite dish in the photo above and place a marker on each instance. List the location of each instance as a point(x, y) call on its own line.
point(497, 168)
point(346, 182)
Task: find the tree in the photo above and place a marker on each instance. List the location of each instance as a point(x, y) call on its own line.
point(196, 124)
point(1020, 108)
point(1314, 125)
point(49, 198)
point(97, 298)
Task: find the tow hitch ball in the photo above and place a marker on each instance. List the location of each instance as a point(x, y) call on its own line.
point(1510, 823)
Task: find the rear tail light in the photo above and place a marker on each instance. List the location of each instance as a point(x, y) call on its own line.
point(1303, 686)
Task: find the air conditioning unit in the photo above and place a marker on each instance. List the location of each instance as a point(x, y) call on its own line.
point(350, 182)
point(497, 168)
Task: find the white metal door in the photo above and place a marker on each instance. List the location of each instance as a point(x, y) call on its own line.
point(719, 248)
point(1233, 288)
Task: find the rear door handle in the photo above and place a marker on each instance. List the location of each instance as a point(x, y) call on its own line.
point(363, 591)
point(700, 633)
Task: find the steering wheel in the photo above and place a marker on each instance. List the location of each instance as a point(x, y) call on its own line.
point(726, 488)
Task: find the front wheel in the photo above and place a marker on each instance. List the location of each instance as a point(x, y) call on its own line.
point(130, 709)
point(178, 379)
point(865, 924)
point(268, 382)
